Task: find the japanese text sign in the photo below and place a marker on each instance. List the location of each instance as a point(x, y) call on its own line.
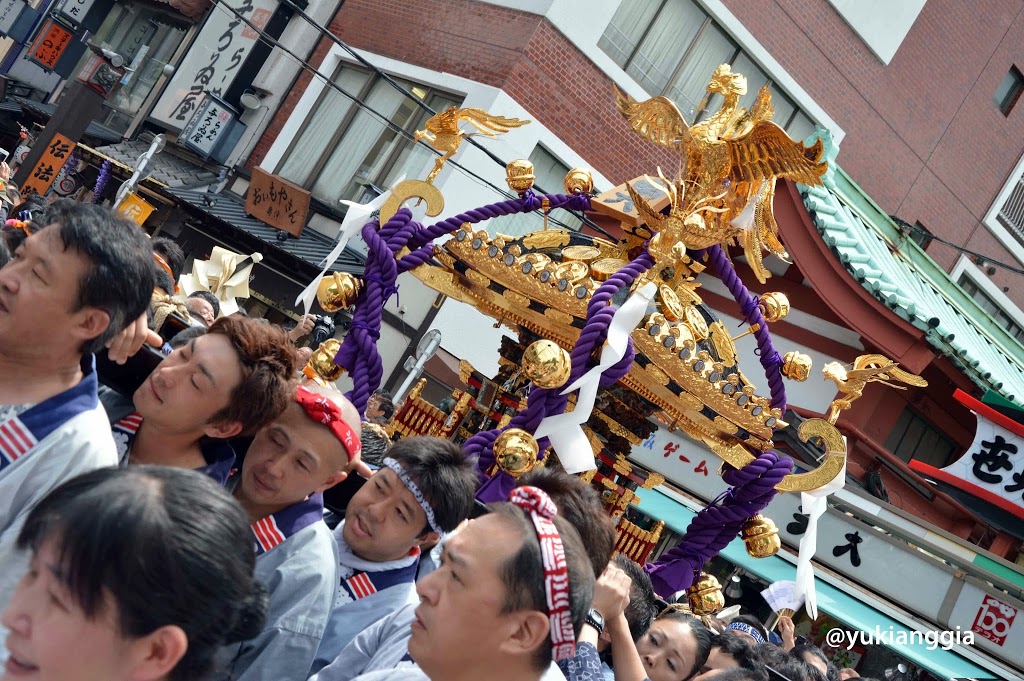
point(994, 619)
point(45, 171)
point(212, 119)
point(213, 61)
point(277, 202)
point(992, 468)
point(53, 40)
point(75, 10)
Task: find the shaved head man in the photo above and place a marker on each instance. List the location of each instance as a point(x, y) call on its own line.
point(311, 446)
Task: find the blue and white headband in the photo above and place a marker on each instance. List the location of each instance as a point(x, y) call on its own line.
point(746, 629)
point(417, 494)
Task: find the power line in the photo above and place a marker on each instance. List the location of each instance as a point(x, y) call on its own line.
point(274, 43)
point(956, 247)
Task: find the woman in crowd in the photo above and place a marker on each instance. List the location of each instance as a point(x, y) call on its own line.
point(676, 646)
point(139, 573)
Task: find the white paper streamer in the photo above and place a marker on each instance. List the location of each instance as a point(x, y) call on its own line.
point(565, 430)
point(814, 504)
point(358, 214)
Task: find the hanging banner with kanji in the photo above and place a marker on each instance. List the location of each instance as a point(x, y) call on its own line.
point(992, 469)
point(53, 39)
point(135, 208)
point(277, 202)
point(54, 156)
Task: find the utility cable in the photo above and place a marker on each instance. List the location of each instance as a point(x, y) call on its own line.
point(274, 43)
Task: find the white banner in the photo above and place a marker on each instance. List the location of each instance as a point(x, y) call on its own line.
point(213, 60)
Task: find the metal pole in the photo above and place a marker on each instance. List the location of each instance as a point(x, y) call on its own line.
point(426, 352)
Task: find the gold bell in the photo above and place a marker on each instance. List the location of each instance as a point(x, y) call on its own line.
point(547, 364)
point(774, 306)
point(579, 181)
point(338, 291)
point(322, 360)
point(516, 452)
point(519, 175)
point(796, 365)
point(705, 596)
point(761, 536)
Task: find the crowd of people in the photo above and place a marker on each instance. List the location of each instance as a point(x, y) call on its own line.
point(179, 532)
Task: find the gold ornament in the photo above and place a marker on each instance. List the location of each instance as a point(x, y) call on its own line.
point(670, 305)
point(695, 320)
point(547, 364)
point(774, 306)
point(442, 132)
point(322, 360)
point(705, 596)
point(519, 175)
point(796, 366)
point(516, 452)
point(866, 369)
point(604, 268)
point(761, 536)
point(580, 253)
point(337, 291)
point(573, 271)
point(579, 181)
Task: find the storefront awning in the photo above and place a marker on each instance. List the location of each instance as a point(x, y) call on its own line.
point(311, 248)
point(857, 613)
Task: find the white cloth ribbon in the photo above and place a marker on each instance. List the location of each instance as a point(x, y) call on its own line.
point(358, 215)
point(566, 430)
point(745, 220)
point(814, 504)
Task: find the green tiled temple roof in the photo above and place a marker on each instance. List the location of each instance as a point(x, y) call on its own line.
point(895, 270)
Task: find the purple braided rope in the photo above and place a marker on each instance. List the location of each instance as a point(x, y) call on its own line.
point(713, 528)
point(358, 354)
point(543, 402)
point(771, 360)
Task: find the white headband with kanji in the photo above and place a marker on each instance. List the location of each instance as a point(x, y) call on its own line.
point(556, 572)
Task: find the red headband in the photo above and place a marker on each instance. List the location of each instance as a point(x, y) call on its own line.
point(322, 410)
point(556, 572)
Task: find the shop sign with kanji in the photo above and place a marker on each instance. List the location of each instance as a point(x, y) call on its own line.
point(75, 10)
point(992, 468)
point(212, 120)
point(277, 202)
point(54, 38)
point(45, 171)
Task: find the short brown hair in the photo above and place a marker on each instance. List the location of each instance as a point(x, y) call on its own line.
point(268, 362)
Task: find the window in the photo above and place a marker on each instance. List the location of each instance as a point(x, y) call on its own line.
point(915, 438)
point(1009, 90)
point(989, 305)
point(549, 175)
point(671, 48)
point(342, 147)
point(147, 38)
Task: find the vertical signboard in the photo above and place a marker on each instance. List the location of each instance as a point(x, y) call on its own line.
point(75, 10)
point(213, 61)
point(44, 172)
point(212, 120)
point(54, 38)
